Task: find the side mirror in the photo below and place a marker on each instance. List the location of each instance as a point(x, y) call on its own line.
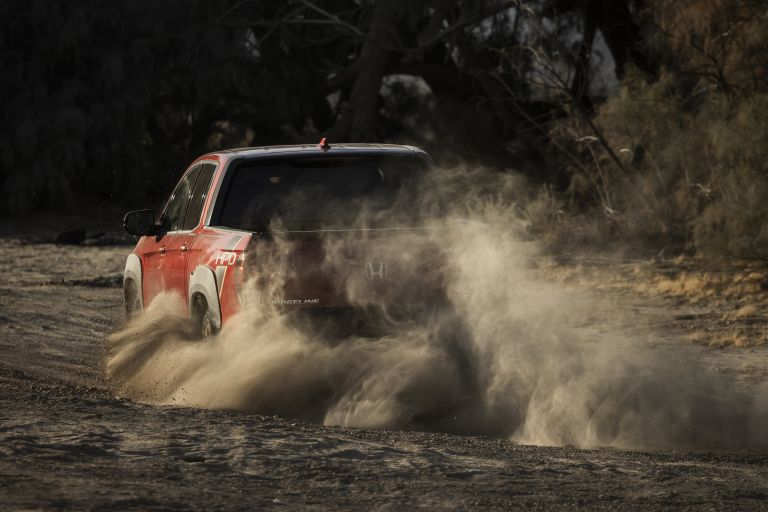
point(140, 223)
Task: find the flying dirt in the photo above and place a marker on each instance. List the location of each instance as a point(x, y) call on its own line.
point(510, 356)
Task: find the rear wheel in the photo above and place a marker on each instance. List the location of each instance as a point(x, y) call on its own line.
point(202, 317)
point(207, 328)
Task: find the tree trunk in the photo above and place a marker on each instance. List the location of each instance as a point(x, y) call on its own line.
point(592, 16)
point(622, 36)
point(358, 118)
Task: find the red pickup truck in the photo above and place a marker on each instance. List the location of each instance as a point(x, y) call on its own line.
point(320, 228)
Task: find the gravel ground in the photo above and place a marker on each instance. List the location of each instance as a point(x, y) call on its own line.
point(67, 444)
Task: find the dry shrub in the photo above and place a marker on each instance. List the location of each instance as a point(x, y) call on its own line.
point(735, 222)
point(543, 212)
point(702, 178)
point(693, 144)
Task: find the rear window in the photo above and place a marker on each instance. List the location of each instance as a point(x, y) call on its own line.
point(322, 193)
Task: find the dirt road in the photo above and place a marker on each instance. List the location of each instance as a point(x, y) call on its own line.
point(67, 444)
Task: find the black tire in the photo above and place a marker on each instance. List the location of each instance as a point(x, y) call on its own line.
point(207, 328)
point(202, 318)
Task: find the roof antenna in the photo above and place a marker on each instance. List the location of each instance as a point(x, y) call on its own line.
point(324, 145)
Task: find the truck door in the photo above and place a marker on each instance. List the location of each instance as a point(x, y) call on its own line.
point(180, 242)
point(151, 267)
point(161, 262)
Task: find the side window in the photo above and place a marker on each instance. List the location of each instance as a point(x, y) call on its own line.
point(173, 216)
point(199, 193)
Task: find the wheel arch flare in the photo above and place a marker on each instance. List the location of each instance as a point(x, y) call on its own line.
point(133, 272)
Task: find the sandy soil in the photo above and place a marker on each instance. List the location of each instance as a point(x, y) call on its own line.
point(67, 444)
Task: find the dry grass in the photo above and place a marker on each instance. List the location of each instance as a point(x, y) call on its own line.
point(712, 303)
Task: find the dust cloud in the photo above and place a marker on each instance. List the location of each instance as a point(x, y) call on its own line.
point(503, 352)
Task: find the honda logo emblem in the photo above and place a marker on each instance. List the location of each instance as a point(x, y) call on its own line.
point(376, 270)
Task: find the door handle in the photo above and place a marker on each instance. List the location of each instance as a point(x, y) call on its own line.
point(162, 250)
point(184, 248)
